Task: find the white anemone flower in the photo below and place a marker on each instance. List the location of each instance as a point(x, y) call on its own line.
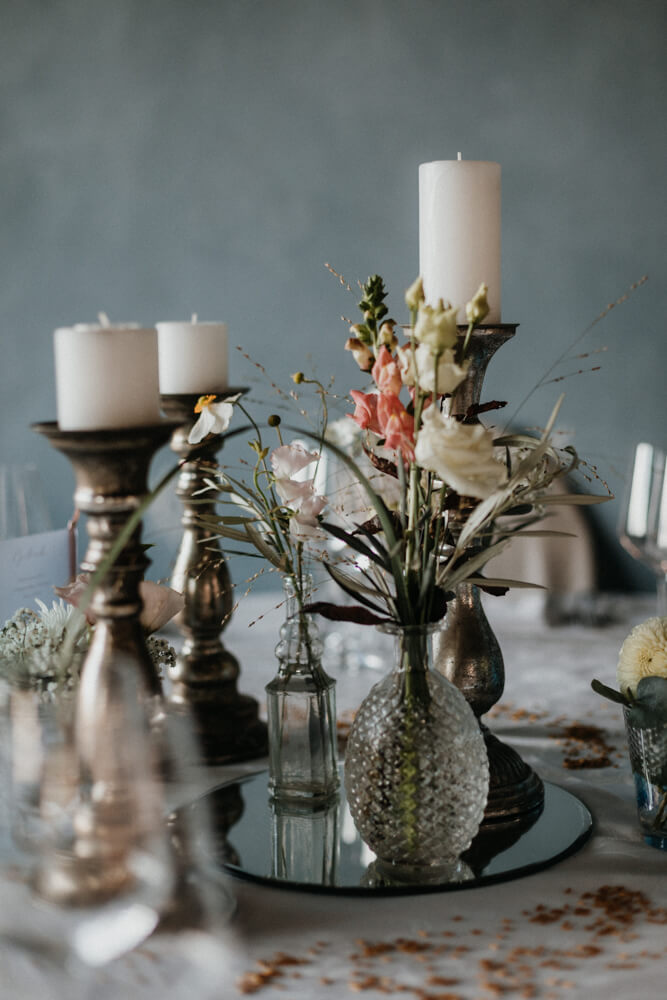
point(214, 418)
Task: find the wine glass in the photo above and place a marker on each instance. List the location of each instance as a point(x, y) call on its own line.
point(89, 817)
point(23, 506)
point(642, 526)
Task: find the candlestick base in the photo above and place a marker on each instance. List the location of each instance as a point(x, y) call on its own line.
point(467, 651)
point(206, 674)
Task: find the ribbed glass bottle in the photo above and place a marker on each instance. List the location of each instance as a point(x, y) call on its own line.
point(301, 706)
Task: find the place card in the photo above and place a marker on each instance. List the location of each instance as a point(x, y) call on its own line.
point(30, 567)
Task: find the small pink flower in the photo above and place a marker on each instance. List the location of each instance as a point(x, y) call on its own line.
point(397, 426)
point(289, 459)
point(387, 373)
point(365, 413)
point(304, 523)
point(292, 491)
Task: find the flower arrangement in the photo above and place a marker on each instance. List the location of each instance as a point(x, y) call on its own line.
point(642, 679)
point(45, 649)
point(460, 492)
point(642, 675)
point(464, 490)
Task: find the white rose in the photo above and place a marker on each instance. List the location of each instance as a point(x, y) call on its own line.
point(643, 654)
point(450, 375)
point(436, 326)
point(460, 454)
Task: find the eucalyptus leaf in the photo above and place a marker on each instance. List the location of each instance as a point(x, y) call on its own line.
point(610, 693)
point(649, 709)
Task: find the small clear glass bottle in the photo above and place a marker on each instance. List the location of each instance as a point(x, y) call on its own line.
point(301, 706)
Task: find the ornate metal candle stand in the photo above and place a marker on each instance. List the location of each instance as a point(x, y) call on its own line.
point(205, 675)
point(111, 470)
point(467, 651)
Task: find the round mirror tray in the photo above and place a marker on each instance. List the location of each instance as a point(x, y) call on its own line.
point(319, 850)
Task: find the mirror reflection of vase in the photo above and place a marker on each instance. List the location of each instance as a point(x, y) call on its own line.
point(380, 875)
point(304, 842)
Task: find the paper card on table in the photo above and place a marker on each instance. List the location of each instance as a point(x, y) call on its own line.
point(30, 567)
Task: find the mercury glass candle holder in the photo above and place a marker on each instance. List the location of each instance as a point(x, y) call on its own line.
point(467, 651)
point(205, 675)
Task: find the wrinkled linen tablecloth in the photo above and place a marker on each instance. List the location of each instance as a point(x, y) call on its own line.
point(593, 925)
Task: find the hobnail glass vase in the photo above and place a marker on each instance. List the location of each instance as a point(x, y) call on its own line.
point(648, 759)
point(301, 707)
point(416, 769)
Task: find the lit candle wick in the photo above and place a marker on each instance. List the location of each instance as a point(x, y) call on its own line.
point(104, 319)
point(458, 156)
point(194, 318)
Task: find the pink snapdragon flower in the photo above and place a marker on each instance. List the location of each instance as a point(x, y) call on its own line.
point(397, 426)
point(387, 373)
point(365, 414)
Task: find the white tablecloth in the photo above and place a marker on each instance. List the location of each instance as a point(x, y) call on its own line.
point(572, 930)
point(592, 925)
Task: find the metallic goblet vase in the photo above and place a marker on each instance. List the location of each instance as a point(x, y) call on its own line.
point(205, 674)
point(467, 651)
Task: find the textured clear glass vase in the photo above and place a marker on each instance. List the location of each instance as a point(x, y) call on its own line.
point(416, 769)
point(301, 706)
point(648, 759)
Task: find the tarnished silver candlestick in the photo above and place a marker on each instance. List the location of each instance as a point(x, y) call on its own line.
point(205, 675)
point(111, 471)
point(467, 651)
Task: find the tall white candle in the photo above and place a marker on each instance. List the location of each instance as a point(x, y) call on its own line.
point(106, 376)
point(459, 231)
point(193, 357)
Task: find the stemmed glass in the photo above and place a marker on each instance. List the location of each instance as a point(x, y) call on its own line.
point(642, 526)
point(23, 506)
point(108, 894)
point(96, 867)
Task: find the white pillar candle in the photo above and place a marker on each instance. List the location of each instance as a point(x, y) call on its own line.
point(193, 357)
point(106, 376)
point(459, 232)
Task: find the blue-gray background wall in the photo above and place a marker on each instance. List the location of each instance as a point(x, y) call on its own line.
point(159, 157)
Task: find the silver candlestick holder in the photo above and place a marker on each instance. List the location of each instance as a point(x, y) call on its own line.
point(111, 472)
point(205, 675)
point(467, 651)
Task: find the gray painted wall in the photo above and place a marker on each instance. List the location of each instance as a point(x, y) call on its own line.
point(164, 156)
